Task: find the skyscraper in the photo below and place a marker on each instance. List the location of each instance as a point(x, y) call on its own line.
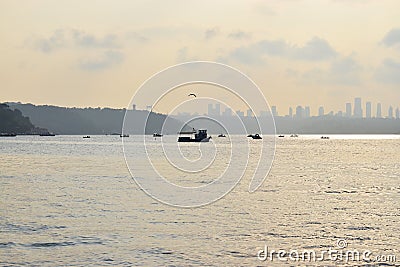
point(390, 112)
point(274, 112)
point(299, 112)
point(321, 111)
point(290, 112)
point(249, 113)
point(379, 110)
point(358, 113)
point(218, 109)
point(368, 110)
point(397, 113)
point(307, 112)
point(348, 110)
point(210, 110)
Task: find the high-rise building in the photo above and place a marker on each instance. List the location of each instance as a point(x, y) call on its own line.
point(133, 107)
point(368, 110)
point(348, 110)
point(299, 112)
point(321, 111)
point(274, 112)
point(307, 112)
point(379, 110)
point(227, 112)
point(217, 110)
point(397, 113)
point(210, 110)
point(249, 113)
point(358, 113)
point(290, 112)
point(240, 113)
point(390, 112)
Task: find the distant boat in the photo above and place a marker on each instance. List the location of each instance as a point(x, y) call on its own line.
point(324, 137)
point(256, 136)
point(200, 136)
point(157, 135)
point(221, 135)
point(281, 136)
point(250, 135)
point(294, 135)
point(87, 136)
point(47, 134)
point(124, 135)
point(7, 135)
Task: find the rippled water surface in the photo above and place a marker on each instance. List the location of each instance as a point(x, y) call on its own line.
point(71, 201)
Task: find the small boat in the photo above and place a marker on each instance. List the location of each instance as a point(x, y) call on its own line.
point(281, 136)
point(87, 136)
point(47, 134)
point(294, 135)
point(256, 136)
point(192, 136)
point(250, 135)
point(124, 135)
point(324, 137)
point(7, 135)
point(221, 135)
point(157, 135)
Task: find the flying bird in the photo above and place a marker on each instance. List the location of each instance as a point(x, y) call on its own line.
point(192, 95)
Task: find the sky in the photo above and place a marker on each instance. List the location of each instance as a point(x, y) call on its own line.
point(299, 52)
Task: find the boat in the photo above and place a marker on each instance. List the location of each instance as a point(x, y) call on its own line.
point(294, 135)
point(250, 135)
point(281, 136)
point(7, 135)
point(87, 136)
point(221, 135)
point(324, 137)
point(124, 135)
point(47, 134)
point(157, 135)
point(192, 136)
point(256, 136)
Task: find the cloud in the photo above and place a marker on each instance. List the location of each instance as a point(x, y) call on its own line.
point(316, 49)
point(61, 38)
point(211, 33)
point(343, 71)
point(388, 72)
point(392, 37)
point(91, 41)
point(106, 60)
point(239, 35)
point(55, 41)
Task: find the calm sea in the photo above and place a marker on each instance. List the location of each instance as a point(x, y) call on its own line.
point(69, 201)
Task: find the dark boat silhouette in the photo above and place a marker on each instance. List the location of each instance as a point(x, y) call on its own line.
point(200, 136)
point(7, 135)
point(256, 136)
point(87, 136)
point(324, 137)
point(157, 135)
point(47, 134)
point(281, 136)
point(124, 135)
point(221, 135)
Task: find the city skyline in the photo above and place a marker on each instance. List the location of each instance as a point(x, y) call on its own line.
point(358, 109)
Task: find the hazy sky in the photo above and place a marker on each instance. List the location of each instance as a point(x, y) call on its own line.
point(97, 53)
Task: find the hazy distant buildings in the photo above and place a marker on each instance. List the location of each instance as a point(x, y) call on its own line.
point(133, 107)
point(397, 113)
point(214, 112)
point(227, 112)
point(274, 111)
point(299, 112)
point(379, 110)
point(390, 112)
point(290, 112)
point(321, 111)
point(307, 112)
point(368, 110)
point(249, 113)
point(348, 110)
point(358, 113)
point(240, 113)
